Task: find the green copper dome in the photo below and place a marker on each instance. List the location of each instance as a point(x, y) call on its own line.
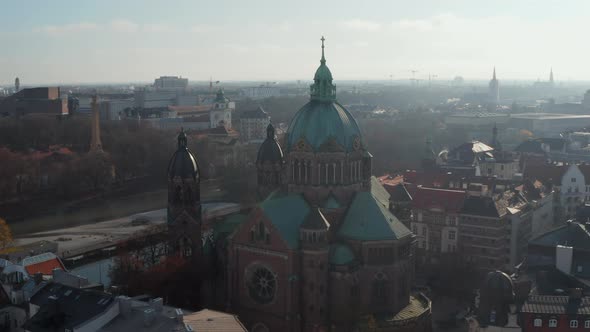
point(323, 120)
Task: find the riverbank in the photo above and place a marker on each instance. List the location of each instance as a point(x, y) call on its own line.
point(101, 208)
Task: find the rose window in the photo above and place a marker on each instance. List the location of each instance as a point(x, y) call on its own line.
point(262, 285)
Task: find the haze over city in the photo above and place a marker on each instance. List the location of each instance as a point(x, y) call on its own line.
point(133, 41)
point(302, 166)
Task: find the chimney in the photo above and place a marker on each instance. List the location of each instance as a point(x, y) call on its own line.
point(563, 258)
point(124, 305)
point(575, 295)
point(179, 315)
point(149, 315)
point(157, 304)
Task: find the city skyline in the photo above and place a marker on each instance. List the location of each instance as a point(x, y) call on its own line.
point(134, 43)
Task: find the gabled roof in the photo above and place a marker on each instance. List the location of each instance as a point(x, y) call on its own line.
point(450, 201)
point(257, 113)
point(379, 192)
point(212, 321)
point(286, 212)
point(369, 219)
point(546, 172)
point(63, 307)
point(572, 234)
point(331, 203)
point(556, 305)
point(508, 202)
point(43, 263)
point(585, 169)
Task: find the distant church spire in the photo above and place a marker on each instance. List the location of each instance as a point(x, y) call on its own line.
point(551, 75)
point(495, 143)
point(16, 84)
point(95, 144)
point(494, 89)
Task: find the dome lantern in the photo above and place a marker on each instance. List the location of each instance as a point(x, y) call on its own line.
point(322, 89)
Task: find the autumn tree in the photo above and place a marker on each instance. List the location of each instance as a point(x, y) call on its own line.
point(5, 234)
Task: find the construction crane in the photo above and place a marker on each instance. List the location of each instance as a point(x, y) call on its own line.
point(413, 79)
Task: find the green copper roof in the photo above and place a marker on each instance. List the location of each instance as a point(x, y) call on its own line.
point(228, 225)
point(369, 219)
point(323, 122)
point(322, 88)
point(331, 203)
point(287, 213)
point(341, 254)
point(317, 122)
point(220, 97)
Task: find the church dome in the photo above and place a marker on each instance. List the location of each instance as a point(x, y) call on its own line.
point(498, 282)
point(183, 163)
point(270, 150)
point(323, 119)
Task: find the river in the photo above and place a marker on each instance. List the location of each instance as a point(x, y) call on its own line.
point(97, 272)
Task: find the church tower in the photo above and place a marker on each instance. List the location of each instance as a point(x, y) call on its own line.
point(551, 77)
point(184, 202)
point(495, 143)
point(16, 84)
point(428, 156)
point(95, 144)
point(494, 89)
point(269, 164)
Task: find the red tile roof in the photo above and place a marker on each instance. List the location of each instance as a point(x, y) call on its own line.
point(45, 267)
point(44, 264)
point(450, 201)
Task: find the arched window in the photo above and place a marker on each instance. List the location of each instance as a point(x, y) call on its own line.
point(553, 323)
point(379, 291)
point(267, 238)
point(185, 246)
point(538, 322)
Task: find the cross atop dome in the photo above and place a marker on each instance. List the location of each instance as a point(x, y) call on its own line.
point(323, 58)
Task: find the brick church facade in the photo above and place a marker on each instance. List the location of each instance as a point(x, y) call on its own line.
point(321, 251)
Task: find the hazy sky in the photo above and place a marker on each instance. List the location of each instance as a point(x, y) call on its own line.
point(136, 40)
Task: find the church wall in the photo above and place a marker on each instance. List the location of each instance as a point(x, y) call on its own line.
point(279, 313)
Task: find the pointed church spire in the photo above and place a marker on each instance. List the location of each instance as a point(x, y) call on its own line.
point(270, 131)
point(551, 75)
point(182, 140)
point(494, 73)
